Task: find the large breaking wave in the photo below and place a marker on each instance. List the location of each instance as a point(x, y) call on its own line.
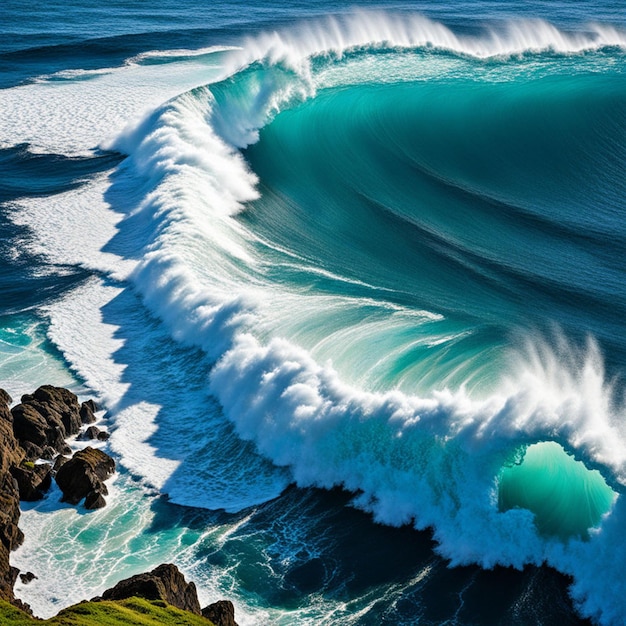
point(371, 228)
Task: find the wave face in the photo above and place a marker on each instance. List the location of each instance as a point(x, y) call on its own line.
point(402, 249)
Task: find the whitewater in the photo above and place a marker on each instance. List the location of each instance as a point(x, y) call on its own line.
point(367, 252)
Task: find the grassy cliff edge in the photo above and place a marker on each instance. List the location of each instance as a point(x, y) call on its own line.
point(131, 612)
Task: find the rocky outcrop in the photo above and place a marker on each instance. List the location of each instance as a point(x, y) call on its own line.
point(5, 398)
point(60, 401)
point(87, 412)
point(46, 418)
point(32, 480)
point(11, 452)
point(35, 432)
point(36, 429)
point(165, 583)
point(84, 474)
point(221, 613)
point(93, 432)
point(58, 462)
point(11, 536)
point(94, 500)
point(27, 577)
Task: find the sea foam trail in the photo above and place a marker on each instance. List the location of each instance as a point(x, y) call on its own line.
point(73, 111)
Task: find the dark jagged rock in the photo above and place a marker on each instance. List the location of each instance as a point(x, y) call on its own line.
point(101, 463)
point(31, 451)
point(31, 427)
point(84, 473)
point(94, 500)
point(27, 577)
point(9, 576)
point(90, 433)
point(5, 398)
point(46, 418)
point(10, 451)
point(11, 536)
point(32, 482)
point(221, 613)
point(93, 432)
point(48, 453)
point(58, 462)
point(87, 410)
point(91, 405)
point(63, 402)
point(165, 583)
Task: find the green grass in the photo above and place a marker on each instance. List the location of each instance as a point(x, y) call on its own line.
point(11, 616)
point(131, 612)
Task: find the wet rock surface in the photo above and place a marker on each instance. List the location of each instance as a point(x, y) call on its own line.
point(84, 474)
point(221, 613)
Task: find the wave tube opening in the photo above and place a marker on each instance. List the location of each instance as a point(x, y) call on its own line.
point(566, 497)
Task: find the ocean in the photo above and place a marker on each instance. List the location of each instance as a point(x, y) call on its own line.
point(349, 284)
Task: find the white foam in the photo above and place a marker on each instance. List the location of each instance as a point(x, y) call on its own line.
point(73, 228)
point(87, 343)
point(73, 116)
point(177, 53)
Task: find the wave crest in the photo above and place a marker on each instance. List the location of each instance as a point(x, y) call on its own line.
point(337, 35)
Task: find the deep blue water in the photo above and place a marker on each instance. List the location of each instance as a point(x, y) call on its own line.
point(331, 271)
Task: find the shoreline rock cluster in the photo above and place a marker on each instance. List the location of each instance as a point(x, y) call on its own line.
point(41, 424)
point(33, 452)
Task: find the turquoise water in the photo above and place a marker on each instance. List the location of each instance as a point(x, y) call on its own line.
point(567, 498)
point(463, 196)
